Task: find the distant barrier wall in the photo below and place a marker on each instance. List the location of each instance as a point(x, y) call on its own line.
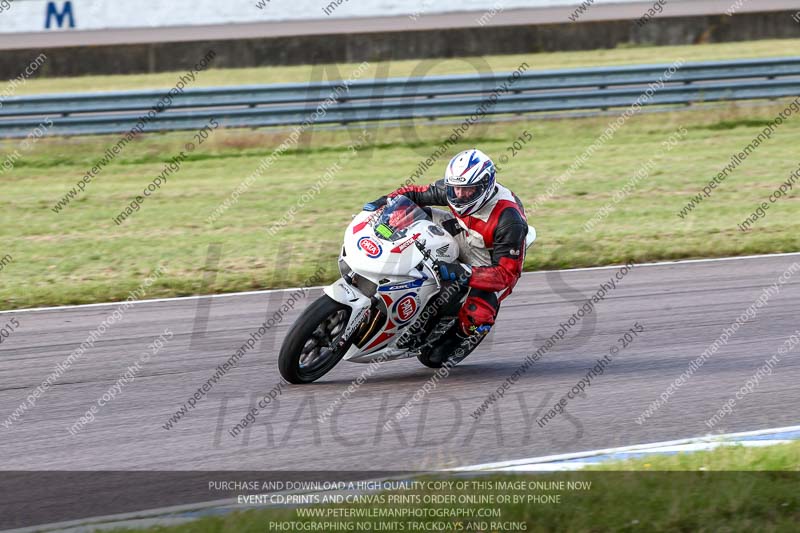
point(357, 47)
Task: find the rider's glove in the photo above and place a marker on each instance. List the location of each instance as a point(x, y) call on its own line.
point(452, 226)
point(455, 272)
point(375, 204)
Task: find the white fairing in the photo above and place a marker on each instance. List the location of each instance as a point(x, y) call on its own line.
point(402, 287)
point(396, 259)
point(344, 293)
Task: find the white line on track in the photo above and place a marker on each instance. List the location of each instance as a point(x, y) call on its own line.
point(267, 291)
point(624, 449)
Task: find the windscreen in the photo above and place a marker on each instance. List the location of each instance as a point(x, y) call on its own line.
point(400, 213)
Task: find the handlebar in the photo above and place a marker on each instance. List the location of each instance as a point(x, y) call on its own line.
point(426, 256)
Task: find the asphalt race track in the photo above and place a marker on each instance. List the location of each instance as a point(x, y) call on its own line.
point(683, 307)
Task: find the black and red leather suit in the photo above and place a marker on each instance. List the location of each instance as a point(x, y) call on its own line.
point(492, 242)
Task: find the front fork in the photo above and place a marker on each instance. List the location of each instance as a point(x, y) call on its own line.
point(358, 302)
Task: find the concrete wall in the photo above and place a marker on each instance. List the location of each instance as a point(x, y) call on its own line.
point(357, 47)
point(24, 16)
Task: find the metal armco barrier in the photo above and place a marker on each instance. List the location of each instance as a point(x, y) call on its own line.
point(434, 97)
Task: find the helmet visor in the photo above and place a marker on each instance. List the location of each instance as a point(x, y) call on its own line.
point(464, 195)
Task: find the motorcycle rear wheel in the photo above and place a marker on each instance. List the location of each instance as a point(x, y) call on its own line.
point(310, 349)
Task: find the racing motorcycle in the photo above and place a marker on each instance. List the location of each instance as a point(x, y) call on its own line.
point(390, 302)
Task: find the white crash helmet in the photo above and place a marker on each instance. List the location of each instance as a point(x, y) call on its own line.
point(469, 179)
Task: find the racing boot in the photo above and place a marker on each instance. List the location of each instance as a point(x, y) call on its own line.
point(454, 348)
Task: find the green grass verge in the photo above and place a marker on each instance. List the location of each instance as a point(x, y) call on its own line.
point(677, 499)
point(81, 256)
point(304, 73)
point(780, 457)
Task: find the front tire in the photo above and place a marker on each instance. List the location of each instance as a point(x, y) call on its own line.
point(310, 349)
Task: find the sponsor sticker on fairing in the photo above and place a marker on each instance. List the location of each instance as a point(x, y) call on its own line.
point(406, 307)
point(371, 248)
point(403, 286)
point(405, 244)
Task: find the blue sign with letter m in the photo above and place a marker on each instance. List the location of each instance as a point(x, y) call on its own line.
point(53, 13)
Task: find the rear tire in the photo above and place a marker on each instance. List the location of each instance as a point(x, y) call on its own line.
point(309, 350)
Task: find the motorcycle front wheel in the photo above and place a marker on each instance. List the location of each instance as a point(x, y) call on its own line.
point(310, 349)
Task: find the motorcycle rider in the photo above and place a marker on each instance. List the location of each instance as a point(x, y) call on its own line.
point(488, 222)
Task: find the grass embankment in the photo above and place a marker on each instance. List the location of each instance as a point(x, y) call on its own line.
point(303, 73)
point(676, 498)
point(777, 458)
point(80, 255)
